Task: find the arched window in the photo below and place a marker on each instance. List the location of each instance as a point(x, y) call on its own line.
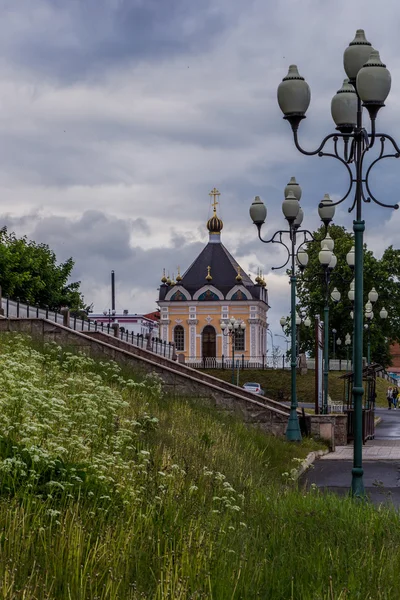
point(208, 295)
point(179, 338)
point(178, 296)
point(239, 295)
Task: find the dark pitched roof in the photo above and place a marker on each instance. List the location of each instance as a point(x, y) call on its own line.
point(224, 269)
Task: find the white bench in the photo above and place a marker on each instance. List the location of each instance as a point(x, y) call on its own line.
point(335, 406)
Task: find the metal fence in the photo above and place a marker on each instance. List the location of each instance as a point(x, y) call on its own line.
point(337, 364)
point(15, 308)
point(260, 362)
point(241, 362)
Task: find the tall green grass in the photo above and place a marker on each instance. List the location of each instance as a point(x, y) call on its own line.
point(110, 490)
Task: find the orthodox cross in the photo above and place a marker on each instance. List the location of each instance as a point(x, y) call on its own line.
point(214, 193)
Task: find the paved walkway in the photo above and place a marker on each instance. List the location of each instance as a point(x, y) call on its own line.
point(381, 463)
point(385, 446)
point(371, 451)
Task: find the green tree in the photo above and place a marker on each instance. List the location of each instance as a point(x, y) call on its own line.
point(30, 272)
point(382, 274)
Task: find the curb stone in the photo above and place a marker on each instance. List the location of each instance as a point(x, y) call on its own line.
point(308, 461)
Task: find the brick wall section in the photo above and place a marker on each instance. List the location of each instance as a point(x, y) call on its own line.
point(268, 419)
point(395, 354)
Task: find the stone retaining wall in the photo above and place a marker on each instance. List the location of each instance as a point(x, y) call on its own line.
point(270, 420)
point(184, 369)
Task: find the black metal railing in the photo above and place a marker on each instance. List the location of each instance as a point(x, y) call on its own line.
point(16, 308)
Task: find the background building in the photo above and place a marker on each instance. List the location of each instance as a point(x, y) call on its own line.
point(132, 322)
point(212, 290)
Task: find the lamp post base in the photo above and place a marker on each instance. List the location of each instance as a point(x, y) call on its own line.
point(357, 483)
point(293, 433)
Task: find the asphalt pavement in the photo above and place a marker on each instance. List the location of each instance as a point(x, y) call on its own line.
point(381, 463)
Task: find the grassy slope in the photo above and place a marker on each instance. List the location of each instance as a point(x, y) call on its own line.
point(273, 381)
point(109, 490)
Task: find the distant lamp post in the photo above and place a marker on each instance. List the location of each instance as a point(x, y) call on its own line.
point(338, 343)
point(347, 342)
point(369, 315)
point(233, 328)
point(383, 313)
point(111, 314)
point(301, 319)
point(286, 340)
point(328, 262)
point(368, 330)
point(334, 332)
point(293, 214)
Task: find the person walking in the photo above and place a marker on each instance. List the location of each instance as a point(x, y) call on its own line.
point(395, 394)
point(389, 397)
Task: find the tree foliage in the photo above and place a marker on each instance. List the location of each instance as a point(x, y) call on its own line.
point(383, 274)
point(30, 272)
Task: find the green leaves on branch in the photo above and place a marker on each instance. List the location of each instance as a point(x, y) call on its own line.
point(30, 272)
point(382, 274)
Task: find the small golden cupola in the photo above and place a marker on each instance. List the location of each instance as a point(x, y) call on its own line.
point(168, 282)
point(208, 276)
point(215, 224)
point(238, 276)
point(263, 283)
point(163, 278)
point(173, 279)
point(179, 276)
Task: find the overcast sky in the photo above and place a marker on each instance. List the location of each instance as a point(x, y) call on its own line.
point(117, 117)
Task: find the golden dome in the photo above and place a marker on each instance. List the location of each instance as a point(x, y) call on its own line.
point(163, 278)
point(208, 276)
point(215, 224)
point(179, 277)
point(238, 276)
point(168, 280)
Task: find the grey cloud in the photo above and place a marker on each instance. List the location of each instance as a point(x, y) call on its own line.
point(72, 75)
point(74, 40)
point(99, 243)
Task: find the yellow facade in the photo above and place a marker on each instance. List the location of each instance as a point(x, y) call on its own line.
point(198, 317)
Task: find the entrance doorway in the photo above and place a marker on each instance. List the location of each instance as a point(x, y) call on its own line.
point(209, 342)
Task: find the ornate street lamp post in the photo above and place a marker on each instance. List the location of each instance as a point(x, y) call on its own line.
point(294, 217)
point(233, 328)
point(368, 86)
